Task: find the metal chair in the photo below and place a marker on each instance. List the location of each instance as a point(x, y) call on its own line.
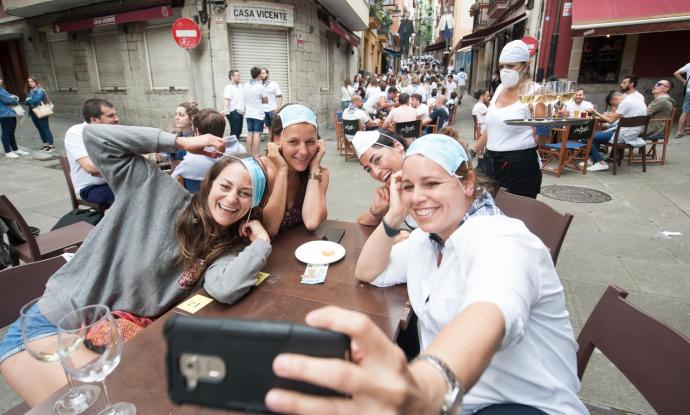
point(76, 202)
point(541, 219)
point(652, 355)
point(47, 245)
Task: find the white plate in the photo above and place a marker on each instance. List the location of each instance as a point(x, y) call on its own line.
point(320, 252)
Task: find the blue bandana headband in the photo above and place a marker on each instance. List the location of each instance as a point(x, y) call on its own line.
point(256, 174)
point(441, 149)
point(297, 114)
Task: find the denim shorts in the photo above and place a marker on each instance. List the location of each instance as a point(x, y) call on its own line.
point(686, 102)
point(254, 125)
point(12, 343)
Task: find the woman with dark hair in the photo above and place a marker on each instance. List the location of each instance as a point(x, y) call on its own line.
point(298, 181)
point(157, 244)
point(346, 93)
point(184, 114)
point(357, 81)
point(35, 96)
point(8, 124)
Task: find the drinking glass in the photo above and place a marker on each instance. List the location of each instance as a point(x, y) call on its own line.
point(93, 330)
point(526, 94)
point(79, 398)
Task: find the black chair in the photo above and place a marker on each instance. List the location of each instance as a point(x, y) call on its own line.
point(410, 130)
point(573, 147)
point(350, 128)
point(618, 148)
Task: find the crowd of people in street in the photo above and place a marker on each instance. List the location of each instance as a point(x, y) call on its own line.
point(495, 335)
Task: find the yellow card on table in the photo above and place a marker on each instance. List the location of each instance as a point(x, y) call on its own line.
point(194, 304)
point(261, 277)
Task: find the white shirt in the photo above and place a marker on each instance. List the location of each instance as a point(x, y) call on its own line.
point(636, 95)
point(571, 107)
point(416, 89)
point(273, 91)
point(371, 105)
point(254, 91)
point(535, 364)
point(352, 113)
point(234, 93)
point(346, 93)
point(686, 70)
point(479, 110)
point(451, 87)
point(631, 107)
point(75, 149)
point(422, 111)
point(462, 78)
point(504, 137)
point(196, 166)
point(371, 90)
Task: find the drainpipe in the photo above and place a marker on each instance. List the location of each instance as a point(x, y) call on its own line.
point(210, 50)
point(554, 41)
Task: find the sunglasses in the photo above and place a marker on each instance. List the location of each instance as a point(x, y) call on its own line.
point(660, 84)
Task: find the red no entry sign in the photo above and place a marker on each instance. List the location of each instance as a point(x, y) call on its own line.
point(186, 33)
point(532, 44)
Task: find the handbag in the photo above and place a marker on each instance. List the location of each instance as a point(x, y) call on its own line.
point(43, 110)
point(18, 109)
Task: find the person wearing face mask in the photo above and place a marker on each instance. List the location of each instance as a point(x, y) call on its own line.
point(498, 329)
point(297, 180)
point(511, 158)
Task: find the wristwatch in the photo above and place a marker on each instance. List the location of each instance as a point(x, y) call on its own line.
point(452, 401)
point(473, 154)
point(315, 176)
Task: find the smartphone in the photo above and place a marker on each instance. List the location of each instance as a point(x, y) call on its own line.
point(227, 363)
point(333, 235)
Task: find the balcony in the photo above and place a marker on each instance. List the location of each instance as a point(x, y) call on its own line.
point(497, 7)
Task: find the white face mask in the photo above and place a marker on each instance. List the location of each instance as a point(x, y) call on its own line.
point(509, 77)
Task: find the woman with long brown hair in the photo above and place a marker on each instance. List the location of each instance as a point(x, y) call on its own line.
point(157, 244)
point(35, 96)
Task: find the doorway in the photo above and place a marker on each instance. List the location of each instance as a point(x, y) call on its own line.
point(13, 66)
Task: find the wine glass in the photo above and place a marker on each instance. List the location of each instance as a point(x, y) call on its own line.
point(526, 93)
point(95, 333)
point(79, 398)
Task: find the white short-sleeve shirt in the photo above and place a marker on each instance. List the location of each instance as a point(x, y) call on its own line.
point(504, 137)
point(235, 94)
point(686, 70)
point(351, 113)
point(479, 110)
point(630, 107)
point(254, 91)
point(572, 106)
point(495, 259)
point(273, 91)
point(75, 149)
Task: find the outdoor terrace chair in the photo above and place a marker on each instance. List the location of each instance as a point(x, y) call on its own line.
point(47, 245)
point(339, 136)
point(652, 355)
point(350, 127)
point(76, 202)
point(541, 219)
point(410, 130)
point(618, 148)
point(574, 145)
point(652, 155)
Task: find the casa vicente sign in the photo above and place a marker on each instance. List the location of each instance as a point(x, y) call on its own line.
point(258, 13)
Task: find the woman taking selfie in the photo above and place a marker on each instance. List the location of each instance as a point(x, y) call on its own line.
point(494, 332)
point(157, 244)
point(298, 182)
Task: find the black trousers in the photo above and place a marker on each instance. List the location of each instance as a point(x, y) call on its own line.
point(235, 120)
point(517, 171)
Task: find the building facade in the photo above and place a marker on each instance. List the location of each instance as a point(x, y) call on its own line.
point(124, 51)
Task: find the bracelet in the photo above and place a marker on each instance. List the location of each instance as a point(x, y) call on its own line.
point(315, 176)
point(452, 400)
point(376, 216)
point(391, 232)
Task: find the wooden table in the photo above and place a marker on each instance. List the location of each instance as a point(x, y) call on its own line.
point(141, 376)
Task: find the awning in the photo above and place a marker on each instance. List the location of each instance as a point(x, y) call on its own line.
point(483, 34)
point(344, 33)
point(434, 47)
point(142, 15)
point(597, 18)
point(392, 53)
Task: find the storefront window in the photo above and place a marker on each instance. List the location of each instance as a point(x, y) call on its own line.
point(601, 60)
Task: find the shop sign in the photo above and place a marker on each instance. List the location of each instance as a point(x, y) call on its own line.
point(257, 13)
point(567, 9)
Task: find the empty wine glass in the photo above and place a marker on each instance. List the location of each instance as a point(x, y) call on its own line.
point(94, 332)
point(31, 320)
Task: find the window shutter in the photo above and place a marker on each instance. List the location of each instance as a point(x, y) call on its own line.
point(167, 61)
point(324, 80)
point(63, 64)
point(109, 60)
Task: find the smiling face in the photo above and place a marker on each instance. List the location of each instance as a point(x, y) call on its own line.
point(298, 145)
point(230, 197)
point(182, 121)
point(579, 96)
point(434, 198)
point(382, 162)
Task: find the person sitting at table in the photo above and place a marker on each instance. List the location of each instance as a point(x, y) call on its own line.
point(194, 167)
point(157, 245)
point(402, 113)
point(661, 107)
point(439, 115)
point(421, 108)
point(578, 105)
point(495, 327)
point(355, 112)
point(297, 180)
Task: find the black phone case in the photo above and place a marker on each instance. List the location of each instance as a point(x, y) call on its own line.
point(334, 235)
point(248, 348)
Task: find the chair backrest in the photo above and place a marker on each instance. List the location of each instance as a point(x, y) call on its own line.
point(350, 127)
point(582, 131)
point(653, 356)
point(67, 171)
point(339, 116)
point(541, 219)
point(9, 212)
point(410, 129)
point(626, 122)
point(24, 283)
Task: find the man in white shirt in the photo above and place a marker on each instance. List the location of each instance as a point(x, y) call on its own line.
point(87, 180)
point(416, 88)
point(462, 82)
point(451, 86)
point(403, 113)
point(683, 75)
point(355, 112)
point(578, 105)
point(629, 88)
point(376, 101)
point(233, 103)
point(255, 96)
point(481, 108)
point(417, 104)
point(275, 97)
